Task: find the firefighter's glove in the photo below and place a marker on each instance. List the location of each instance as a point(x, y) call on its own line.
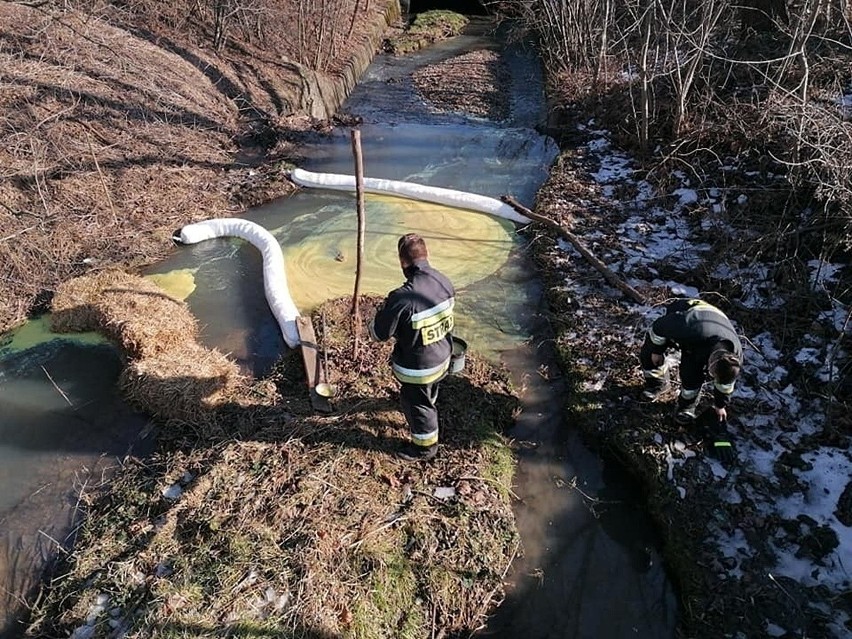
point(722, 448)
point(721, 444)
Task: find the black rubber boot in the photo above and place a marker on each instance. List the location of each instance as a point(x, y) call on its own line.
point(413, 452)
point(686, 409)
point(654, 388)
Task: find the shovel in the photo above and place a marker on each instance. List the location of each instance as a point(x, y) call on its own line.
point(324, 389)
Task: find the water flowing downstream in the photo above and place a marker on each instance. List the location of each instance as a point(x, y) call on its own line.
point(590, 567)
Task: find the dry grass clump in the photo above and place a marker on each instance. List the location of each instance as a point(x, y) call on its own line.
point(275, 521)
point(182, 385)
point(169, 374)
point(132, 311)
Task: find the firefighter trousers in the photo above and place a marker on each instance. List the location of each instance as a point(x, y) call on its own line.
point(419, 407)
point(692, 369)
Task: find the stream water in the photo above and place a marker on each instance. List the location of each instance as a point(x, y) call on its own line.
point(590, 566)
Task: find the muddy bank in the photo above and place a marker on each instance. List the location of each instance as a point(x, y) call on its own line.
point(757, 548)
point(116, 132)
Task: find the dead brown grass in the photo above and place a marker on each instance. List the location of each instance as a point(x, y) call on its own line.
point(101, 157)
point(258, 516)
point(117, 127)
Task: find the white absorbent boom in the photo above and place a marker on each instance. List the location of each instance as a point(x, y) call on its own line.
point(448, 197)
point(274, 276)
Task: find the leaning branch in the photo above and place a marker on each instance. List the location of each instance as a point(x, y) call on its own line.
point(602, 268)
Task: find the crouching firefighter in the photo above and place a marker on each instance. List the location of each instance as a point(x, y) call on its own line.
point(419, 314)
point(710, 349)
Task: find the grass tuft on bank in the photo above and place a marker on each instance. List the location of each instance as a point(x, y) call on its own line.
point(427, 28)
point(257, 517)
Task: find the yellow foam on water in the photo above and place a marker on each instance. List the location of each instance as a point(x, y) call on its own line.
point(464, 245)
point(37, 331)
point(179, 283)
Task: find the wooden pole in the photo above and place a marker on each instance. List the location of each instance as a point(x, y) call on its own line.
point(362, 223)
point(602, 268)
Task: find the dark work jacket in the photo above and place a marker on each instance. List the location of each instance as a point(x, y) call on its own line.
point(696, 327)
point(419, 314)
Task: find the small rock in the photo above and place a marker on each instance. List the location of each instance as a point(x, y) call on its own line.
point(843, 512)
point(445, 492)
point(173, 492)
point(163, 570)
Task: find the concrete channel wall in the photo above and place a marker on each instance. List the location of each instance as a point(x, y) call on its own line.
point(322, 94)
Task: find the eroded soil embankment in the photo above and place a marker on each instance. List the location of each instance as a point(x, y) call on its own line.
point(114, 133)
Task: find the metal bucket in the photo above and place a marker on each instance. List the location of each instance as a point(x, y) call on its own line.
point(457, 358)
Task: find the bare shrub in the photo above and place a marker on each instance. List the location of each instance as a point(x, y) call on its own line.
point(321, 26)
point(689, 67)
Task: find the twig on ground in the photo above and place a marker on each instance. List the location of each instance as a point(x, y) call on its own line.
point(489, 481)
point(393, 519)
point(17, 233)
point(103, 179)
point(56, 386)
point(58, 545)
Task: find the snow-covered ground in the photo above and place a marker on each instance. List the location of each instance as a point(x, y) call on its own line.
point(793, 463)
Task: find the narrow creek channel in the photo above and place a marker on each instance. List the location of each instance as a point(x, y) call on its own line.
point(590, 566)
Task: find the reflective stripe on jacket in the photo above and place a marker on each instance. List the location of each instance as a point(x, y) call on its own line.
point(419, 314)
point(696, 327)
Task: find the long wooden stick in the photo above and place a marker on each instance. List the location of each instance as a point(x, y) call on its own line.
point(103, 180)
point(602, 268)
point(362, 223)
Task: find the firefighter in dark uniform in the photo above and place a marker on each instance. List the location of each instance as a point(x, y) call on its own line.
point(710, 348)
point(419, 314)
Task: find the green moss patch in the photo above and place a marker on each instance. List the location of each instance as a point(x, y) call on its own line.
point(427, 28)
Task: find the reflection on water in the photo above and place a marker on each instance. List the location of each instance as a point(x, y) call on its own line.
point(62, 426)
